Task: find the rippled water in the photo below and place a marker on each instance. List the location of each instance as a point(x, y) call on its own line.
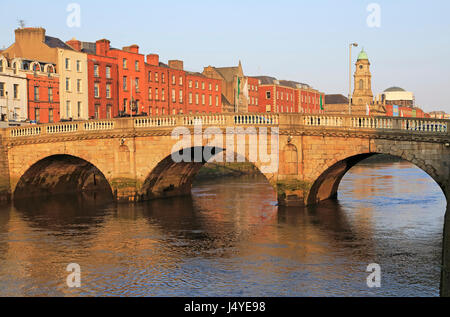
point(230, 239)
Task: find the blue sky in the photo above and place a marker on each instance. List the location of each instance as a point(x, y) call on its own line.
point(299, 40)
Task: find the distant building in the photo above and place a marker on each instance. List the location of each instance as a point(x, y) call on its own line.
point(71, 65)
point(397, 96)
point(439, 115)
point(234, 87)
point(336, 104)
point(284, 96)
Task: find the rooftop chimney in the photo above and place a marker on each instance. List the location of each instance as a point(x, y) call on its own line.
point(102, 47)
point(176, 64)
point(30, 35)
point(153, 59)
point(132, 49)
point(75, 44)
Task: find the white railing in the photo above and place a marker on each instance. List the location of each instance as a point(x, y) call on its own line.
point(99, 125)
point(413, 125)
point(62, 128)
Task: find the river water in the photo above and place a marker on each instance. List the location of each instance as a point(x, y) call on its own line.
point(230, 239)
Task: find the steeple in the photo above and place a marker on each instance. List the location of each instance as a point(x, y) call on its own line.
point(362, 94)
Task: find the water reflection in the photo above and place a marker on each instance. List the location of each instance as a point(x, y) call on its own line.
point(230, 239)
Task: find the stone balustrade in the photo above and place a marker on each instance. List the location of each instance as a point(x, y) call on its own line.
point(414, 125)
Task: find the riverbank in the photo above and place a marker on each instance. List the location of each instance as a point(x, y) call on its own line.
point(214, 170)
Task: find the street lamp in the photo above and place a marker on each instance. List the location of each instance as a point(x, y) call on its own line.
point(350, 80)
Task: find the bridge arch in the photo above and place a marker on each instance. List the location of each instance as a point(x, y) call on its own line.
point(326, 186)
point(171, 179)
point(60, 174)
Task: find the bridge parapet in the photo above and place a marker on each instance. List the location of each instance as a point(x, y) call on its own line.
point(385, 124)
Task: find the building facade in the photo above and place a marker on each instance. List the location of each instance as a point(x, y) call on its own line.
point(13, 90)
point(33, 44)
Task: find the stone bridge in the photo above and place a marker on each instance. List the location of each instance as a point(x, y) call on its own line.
point(305, 156)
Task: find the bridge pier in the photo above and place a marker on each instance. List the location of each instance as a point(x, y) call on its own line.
point(293, 192)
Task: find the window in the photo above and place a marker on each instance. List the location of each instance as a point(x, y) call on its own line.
point(163, 78)
point(108, 91)
point(16, 91)
point(203, 85)
point(97, 109)
point(181, 81)
point(50, 115)
point(108, 72)
point(210, 100)
point(79, 85)
point(217, 87)
point(190, 98)
point(157, 94)
point(136, 84)
point(67, 64)
point(125, 107)
point(50, 94)
point(361, 84)
point(268, 95)
point(79, 109)
point(125, 83)
point(136, 66)
point(125, 63)
point(96, 73)
point(174, 98)
point(1, 66)
point(78, 66)
point(217, 101)
point(67, 84)
point(181, 96)
point(36, 93)
point(210, 87)
point(2, 89)
point(68, 115)
point(156, 77)
point(173, 80)
point(196, 99)
point(163, 94)
point(108, 112)
point(150, 93)
point(190, 84)
point(203, 99)
point(37, 115)
point(196, 84)
point(149, 76)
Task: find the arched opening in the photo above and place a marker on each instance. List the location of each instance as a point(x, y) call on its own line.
point(327, 184)
point(170, 178)
point(62, 174)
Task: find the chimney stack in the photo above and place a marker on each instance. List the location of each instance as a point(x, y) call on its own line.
point(132, 49)
point(30, 35)
point(176, 64)
point(153, 59)
point(102, 47)
point(75, 44)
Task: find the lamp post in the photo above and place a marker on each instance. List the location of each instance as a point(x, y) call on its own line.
point(7, 107)
point(350, 80)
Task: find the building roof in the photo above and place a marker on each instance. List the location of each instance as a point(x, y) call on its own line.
point(89, 48)
point(292, 84)
point(394, 89)
point(54, 42)
point(335, 99)
point(363, 55)
point(228, 73)
point(266, 80)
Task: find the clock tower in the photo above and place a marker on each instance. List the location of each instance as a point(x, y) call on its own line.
point(362, 94)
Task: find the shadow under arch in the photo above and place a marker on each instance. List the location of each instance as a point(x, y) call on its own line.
point(171, 179)
point(61, 174)
point(327, 184)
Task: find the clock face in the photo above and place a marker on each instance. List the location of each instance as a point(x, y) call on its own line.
point(360, 66)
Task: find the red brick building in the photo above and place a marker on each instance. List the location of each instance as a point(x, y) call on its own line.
point(253, 94)
point(43, 94)
point(203, 94)
point(157, 81)
point(288, 97)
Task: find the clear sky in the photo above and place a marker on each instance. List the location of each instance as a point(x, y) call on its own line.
point(300, 40)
